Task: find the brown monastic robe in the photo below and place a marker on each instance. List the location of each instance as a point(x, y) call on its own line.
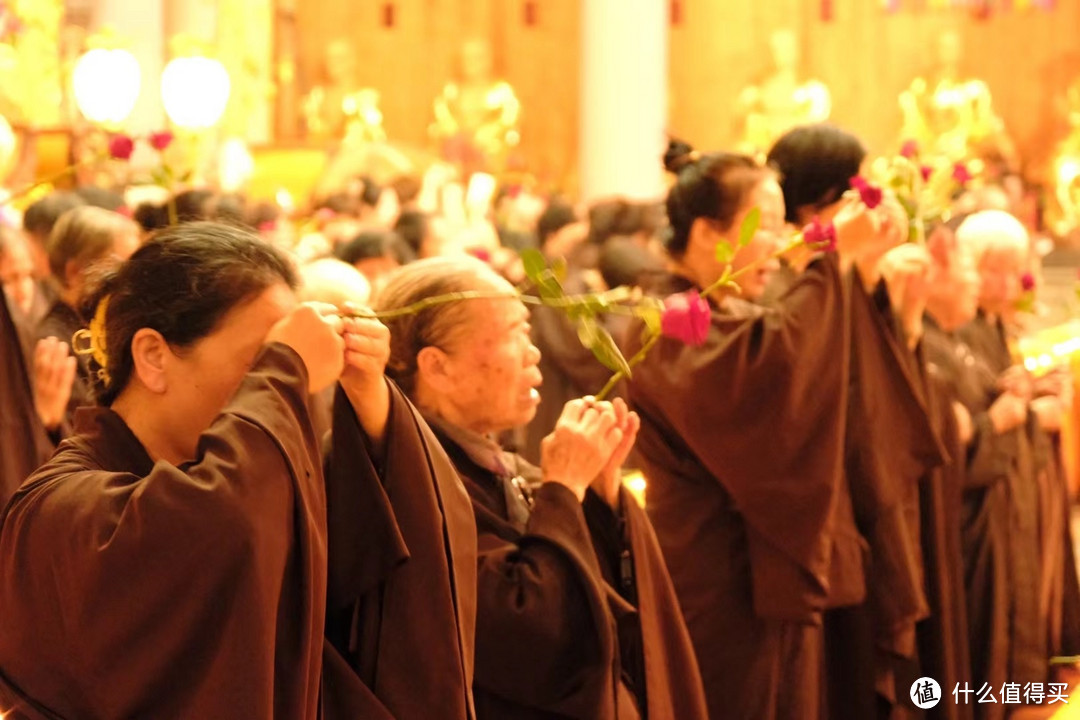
point(1026, 489)
point(943, 636)
point(555, 638)
point(401, 598)
point(132, 588)
point(988, 461)
point(23, 442)
point(743, 446)
point(890, 444)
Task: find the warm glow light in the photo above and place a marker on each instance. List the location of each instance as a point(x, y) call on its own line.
point(106, 84)
point(195, 91)
point(1068, 171)
point(285, 200)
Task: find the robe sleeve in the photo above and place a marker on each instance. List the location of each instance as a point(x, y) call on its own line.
point(778, 379)
point(542, 615)
point(160, 593)
point(989, 459)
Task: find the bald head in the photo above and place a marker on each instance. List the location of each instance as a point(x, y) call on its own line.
point(334, 282)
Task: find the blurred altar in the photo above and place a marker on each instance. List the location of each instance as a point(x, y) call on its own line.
point(576, 97)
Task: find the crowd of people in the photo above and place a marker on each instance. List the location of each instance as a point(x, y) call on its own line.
point(248, 473)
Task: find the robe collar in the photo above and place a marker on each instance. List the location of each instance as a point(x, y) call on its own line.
point(111, 440)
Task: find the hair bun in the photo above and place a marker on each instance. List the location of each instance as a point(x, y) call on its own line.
point(679, 155)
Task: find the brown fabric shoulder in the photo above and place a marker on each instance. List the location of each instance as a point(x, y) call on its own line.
point(140, 589)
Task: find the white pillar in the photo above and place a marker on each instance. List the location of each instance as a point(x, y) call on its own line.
point(624, 90)
point(142, 25)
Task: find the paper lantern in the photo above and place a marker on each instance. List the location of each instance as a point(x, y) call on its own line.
point(107, 84)
point(195, 91)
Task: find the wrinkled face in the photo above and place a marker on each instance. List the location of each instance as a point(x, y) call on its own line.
point(17, 274)
point(491, 367)
point(770, 199)
point(1000, 270)
point(203, 377)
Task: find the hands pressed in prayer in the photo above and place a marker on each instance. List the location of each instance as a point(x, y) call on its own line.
point(1050, 412)
point(1008, 411)
point(314, 331)
point(367, 350)
point(583, 442)
point(54, 374)
point(906, 270)
point(608, 482)
point(1017, 380)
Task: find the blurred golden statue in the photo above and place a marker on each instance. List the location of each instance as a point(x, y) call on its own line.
point(1067, 168)
point(338, 109)
point(952, 116)
point(476, 116)
point(780, 101)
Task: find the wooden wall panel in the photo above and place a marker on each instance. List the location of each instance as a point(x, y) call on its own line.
point(865, 55)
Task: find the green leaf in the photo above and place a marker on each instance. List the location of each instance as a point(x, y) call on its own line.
point(724, 252)
point(534, 262)
point(548, 285)
point(186, 177)
point(160, 178)
point(608, 353)
point(559, 269)
point(749, 227)
point(653, 319)
point(587, 330)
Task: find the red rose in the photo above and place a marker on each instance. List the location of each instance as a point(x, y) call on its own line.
point(160, 140)
point(909, 149)
point(1027, 282)
point(871, 195)
point(926, 171)
point(820, 237)
point(961, 174)
point(686, 317)
point(121, 147)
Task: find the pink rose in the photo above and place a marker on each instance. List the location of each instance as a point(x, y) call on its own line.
point(961, 174)
point(926, 172)
point(267, 226)
point(480, 254)
point(909, 149)
point(871, 195)
point(820, 237)
point(686, 317)
point(1027, 282)
point(324, 215)
point(121, 147)
point(160, 140)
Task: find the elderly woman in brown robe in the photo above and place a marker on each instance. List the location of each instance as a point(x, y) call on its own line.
point(743, 442)
point(1018, 551)
point(170, 559)
point(576, 616)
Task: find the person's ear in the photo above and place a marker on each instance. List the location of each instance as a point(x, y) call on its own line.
point(434, 368)
point(149, 354)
